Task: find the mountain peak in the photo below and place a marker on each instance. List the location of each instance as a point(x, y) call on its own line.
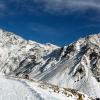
point(74, 66)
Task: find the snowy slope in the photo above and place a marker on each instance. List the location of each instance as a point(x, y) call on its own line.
point(79, 67)
point(19, 56)
point(20, 89)
point(74, 66)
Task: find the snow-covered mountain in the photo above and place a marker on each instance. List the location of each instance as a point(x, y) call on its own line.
point(19, 56)
point(79, 67)
point(75, 66)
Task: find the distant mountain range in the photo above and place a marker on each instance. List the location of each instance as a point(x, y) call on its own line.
point(75, 66)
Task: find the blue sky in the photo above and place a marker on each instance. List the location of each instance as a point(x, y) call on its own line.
point(51, 21)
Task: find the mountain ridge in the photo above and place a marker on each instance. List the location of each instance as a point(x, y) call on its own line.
point(76, 65)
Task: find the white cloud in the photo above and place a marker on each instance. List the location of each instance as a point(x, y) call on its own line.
point(51, 6)
point(2, 6)
point(68, 6)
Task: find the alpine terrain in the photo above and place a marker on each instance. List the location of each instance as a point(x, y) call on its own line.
point(34, 71)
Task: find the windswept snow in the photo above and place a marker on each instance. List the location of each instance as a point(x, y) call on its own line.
point(21, 89)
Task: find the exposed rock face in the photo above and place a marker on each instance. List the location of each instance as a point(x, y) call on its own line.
point(19, 57)
point(74, 66)
point(79, 66)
